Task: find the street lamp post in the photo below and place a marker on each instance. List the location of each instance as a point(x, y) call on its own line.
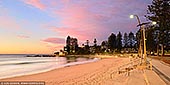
point(144, 38)
point(144, 43)
point(140, 46)
point(132, 16)
point(142, 28)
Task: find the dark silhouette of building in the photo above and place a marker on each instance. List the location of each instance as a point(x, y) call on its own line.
point(71, 45)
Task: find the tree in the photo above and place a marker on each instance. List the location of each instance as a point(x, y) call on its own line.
point(131, 40)
point(119, 42)
point(76, 45)
point(95, 42)
point(95, 46)
point(159, 11)
point(87, 42)
point(68, 44)
point(104, 46)
point(112, 42)
point(68, 40)
point(103, 43)
point(150, 42)
point(139, 44)
point(125, 40)
point(87, 47)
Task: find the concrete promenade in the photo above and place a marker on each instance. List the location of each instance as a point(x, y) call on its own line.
point(163, 68)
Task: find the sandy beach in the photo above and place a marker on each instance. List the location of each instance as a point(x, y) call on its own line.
point(102, 72)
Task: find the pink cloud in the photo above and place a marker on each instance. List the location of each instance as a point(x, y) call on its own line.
point(23, 36)
point(54, 40)
point(85, 19)
point(8, 23)
point(81, 35)
point(54, 44)
point(35, 3)
point(65, 1)
point(80, 22)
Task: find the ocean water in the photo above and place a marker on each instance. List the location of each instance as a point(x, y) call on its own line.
point(17, 65)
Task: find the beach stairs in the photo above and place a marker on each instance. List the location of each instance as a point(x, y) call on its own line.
point(126, 68)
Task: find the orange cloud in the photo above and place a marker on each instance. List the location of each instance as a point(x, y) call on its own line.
point(57, 47)
point(35, 3)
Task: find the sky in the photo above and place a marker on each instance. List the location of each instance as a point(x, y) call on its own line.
point(41, 26)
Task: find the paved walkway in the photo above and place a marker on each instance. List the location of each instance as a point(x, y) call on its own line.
point(145, 77)
point(162, 67)
point(165, 69)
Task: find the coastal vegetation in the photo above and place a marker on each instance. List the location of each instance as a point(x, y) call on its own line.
point(159, 36)
point(114, 44)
